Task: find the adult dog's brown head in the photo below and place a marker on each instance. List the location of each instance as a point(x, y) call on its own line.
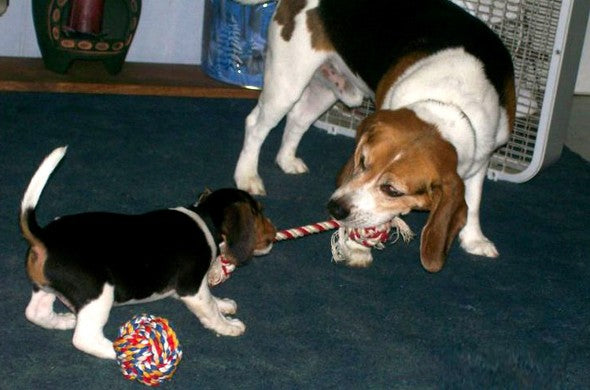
point(402, 163)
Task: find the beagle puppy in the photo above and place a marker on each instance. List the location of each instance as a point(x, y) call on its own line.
point(443, 86)
point(92, 261)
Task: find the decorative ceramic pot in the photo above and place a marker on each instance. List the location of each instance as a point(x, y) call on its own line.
point(69, 30)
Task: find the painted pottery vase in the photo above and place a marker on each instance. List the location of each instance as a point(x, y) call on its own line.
point(69, 30)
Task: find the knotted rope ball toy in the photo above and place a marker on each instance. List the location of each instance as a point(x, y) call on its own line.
point(147, 350)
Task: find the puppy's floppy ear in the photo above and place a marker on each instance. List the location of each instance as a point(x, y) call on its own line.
point(448, 213)
point(239, 233)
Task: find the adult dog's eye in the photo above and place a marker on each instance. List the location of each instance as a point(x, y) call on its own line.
point(390, 190)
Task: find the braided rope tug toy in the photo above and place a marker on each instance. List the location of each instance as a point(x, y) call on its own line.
point(147, 350)
point(372, 237)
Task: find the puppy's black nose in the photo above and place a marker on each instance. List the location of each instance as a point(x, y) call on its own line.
point(337, 210)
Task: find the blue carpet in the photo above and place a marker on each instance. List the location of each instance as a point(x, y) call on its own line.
point(521, 321)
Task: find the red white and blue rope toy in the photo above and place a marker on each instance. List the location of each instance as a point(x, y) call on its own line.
point(147, 350)
point(371, 237)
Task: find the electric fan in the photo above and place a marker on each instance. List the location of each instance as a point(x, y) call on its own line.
point(545, 38)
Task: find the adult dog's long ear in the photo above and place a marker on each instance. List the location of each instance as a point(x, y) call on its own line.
point(239, 233)
point(448, 214)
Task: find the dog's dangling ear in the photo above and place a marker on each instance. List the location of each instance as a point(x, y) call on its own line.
point(447, 216)
point(239, 233)
point(203, 195)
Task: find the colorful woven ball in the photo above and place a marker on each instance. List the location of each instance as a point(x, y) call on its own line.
point(147, 350)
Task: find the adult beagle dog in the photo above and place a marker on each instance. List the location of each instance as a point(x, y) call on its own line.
point(443, 86)
point(92, 261)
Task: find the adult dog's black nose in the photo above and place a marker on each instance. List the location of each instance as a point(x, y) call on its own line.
point(337, 210)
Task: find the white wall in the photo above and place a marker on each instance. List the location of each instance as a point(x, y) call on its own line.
point(169, 31)
point(17, 34)
point(583, 81)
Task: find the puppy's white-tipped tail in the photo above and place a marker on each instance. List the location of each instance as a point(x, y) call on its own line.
point(34, 190)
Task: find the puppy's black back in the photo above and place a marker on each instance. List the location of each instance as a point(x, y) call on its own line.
point(140, 255)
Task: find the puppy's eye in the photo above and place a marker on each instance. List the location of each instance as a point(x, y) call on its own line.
point(390, 191)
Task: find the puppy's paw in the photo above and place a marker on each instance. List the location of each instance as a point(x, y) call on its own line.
point(100, 347)
point(251, 184)
point(230, 327)
point(52, 320)
point(292, 165)
point(64, 321)
point(479, 246)
point(226, 305)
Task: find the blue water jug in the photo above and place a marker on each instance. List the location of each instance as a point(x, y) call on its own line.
point(234, 41)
